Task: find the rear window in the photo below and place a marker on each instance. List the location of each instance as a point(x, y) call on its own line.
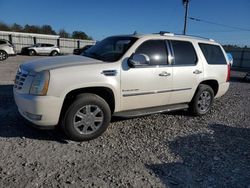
point(184, 53)
point(213, 54)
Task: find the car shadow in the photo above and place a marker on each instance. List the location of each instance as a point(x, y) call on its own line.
point(217, 159)
point(13, 125)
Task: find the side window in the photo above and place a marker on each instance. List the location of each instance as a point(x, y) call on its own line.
point(43, 45)
point(184, 53)
point(2, 42)
point(156, 51)
point(213, 54)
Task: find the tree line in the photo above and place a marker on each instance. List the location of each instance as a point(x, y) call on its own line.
point(44, 29)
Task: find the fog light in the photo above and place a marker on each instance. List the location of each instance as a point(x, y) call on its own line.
point(33, 116)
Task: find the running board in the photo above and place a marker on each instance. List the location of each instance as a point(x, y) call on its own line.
point(151, 110)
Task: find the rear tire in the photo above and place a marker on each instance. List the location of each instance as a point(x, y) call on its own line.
point(3, 55)
point(54, 53)
point(32, 52)
point(202, 100)
point(86, 118)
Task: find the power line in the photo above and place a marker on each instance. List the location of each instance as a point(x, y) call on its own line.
point(219, 24)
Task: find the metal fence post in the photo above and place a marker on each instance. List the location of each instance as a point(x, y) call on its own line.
point(10, 38)
point(58, 42)
point(242, 57)
point(34, 38)
point(78, 44)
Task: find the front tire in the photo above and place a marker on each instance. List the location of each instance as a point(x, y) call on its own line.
point(32, 52)
point(3, 55)
point(202, 101)
point(86, 118)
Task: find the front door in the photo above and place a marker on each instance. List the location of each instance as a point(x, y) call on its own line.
point(150, 85)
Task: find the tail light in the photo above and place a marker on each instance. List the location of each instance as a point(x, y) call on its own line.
point(228, 72)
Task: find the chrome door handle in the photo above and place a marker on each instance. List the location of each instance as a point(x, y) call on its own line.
point(164, 74)
point(197, 72)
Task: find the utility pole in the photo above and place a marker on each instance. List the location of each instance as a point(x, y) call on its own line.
point(185, 3)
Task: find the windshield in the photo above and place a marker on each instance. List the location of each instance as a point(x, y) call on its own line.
point(110, 49)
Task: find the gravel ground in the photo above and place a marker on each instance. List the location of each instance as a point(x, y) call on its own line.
point(163, 150)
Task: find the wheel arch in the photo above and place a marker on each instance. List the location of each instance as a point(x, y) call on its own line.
point(104, 92)
point(32, 49)
point(54, 50)
point(212, 83)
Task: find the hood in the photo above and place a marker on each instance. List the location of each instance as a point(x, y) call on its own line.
point(42, 64)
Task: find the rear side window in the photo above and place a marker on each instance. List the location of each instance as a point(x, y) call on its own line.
point(184, 53)
point(155, 50)
point(2, 42)
point(213, 54)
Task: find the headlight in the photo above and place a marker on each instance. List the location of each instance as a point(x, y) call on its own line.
point(40, 83)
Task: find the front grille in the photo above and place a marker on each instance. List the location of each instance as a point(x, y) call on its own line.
point(20, 79)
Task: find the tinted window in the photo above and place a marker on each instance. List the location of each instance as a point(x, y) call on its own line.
point(49, 45)
point(184, 53)
point(2, 42)
point(155, 50)
point(213, 54)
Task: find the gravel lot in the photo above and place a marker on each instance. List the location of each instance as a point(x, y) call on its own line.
point(163, 150)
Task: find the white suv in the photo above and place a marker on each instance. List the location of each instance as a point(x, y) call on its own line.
point(124, 76)
point(41, 49)
point(6, 49)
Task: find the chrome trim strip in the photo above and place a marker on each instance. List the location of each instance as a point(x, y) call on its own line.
point(154, 92)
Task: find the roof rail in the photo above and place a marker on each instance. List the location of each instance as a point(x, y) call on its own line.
point(166, 33)
point(212, 40)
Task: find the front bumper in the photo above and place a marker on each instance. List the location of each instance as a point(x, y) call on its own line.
point(43, 111)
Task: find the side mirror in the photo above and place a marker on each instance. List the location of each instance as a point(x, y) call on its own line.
point(138, 60)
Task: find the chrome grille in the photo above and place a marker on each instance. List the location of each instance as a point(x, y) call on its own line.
point(20, 79)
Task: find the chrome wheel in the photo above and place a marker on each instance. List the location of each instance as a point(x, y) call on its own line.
point(3, 55)
point(54, 53)
point(31, 52)
point(88, 119)
point(204, 101)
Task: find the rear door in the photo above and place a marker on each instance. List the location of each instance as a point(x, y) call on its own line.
point(44, 48)
point(187, 71)
point(216, 67)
